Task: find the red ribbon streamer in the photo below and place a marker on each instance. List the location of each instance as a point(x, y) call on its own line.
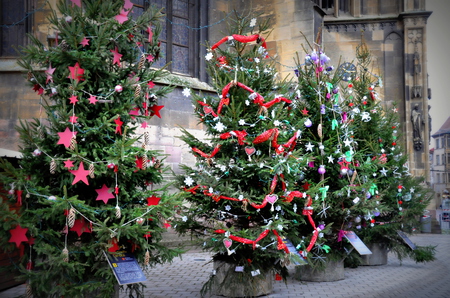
point(241, 38)
point(203, 154)
point(239, 134)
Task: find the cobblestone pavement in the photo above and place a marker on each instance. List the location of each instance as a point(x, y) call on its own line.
point(185, 276)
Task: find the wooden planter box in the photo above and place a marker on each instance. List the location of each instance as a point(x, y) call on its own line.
point(378, 257)
point(229, 283)
point(333, 271)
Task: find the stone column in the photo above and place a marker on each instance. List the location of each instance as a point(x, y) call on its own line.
point(416, 92)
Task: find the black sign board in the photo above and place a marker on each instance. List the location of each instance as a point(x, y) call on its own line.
point(406, 239)
point(125, 267)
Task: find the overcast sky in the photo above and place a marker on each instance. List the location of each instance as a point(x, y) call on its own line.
point(438, 46)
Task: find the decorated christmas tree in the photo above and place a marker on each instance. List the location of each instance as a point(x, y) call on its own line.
point(243, 197)
point(403, 196)
point(88, 184)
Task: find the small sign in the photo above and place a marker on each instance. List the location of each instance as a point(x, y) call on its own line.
point(357, 243)
point(125, 267)
point(239, 269)
point(406, 239)
point(297, 261)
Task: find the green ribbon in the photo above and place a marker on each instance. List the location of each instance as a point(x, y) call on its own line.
point(334, 124)
point(323, 191)
point(373, 188)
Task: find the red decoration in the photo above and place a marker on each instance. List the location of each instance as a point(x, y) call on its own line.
point(122, 17)
point(119, 123)
point(76, 72)
point(115, 245)
point(153, 200)
point(239, 134)
point(73, 119)
point(68, 164)
point(116, 56)
point(84, 42)
point(104, 194)
point(18, 235)
point(150, 34)
point(80, 174)
point(49, 72)
point(65, 137)
point(93, 99)
point(81, 226)
point(214, 152)
point(155, 110)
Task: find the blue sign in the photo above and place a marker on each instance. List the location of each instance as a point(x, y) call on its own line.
point(125, 267)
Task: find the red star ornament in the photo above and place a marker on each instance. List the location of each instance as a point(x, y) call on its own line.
point(134, 112)
point(116, 56)
point(73, 119)
point(80, 174)
point(144, 124)
point(150, 58)
point(119, 123)
point(49, 72)
point(153, 200)
point(128, 5)
point(155, 110)
point(122, 17)
point(76, 72)
point(139, 162)
point(81, 226)
point(65, 137)
point(84, 42)
point(93, 99)
point(18, 235)
point(305, 112)
point(76, 2)
point(150, 84)
point(104, 194)
point(73, 99)
point(68, 164)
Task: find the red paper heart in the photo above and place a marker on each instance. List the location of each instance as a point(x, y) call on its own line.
point(250, 150)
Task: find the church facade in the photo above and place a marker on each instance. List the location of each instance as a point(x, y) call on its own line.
point(395, 32)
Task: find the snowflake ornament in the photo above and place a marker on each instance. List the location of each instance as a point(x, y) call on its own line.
point(220, 127)
point(209, 56)
point(188, 181)
point(186, 92)
point(252, 22)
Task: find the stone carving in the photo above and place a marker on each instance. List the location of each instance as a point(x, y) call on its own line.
point(417, 125)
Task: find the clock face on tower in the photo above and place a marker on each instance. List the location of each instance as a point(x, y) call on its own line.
point(346, 71)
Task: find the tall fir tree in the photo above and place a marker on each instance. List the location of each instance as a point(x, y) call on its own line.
point(404, 196)
point(88, 183)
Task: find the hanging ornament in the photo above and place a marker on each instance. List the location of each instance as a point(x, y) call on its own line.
point(144, 161)
point(118, 212)
point(65, 254)
point(272, 199)
point(91, 171)
point(308, 123)
point(141, 61)
point(71, 217)
point(227, 242)
point(52, 166)
point(319, 130)
point(137, 91)
point(321, 169)
point(140, 220)
point(118, 88)
point(73, 143)
point(250, 151)
point(147, 257)
point(29, 291)
point(37, 152)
